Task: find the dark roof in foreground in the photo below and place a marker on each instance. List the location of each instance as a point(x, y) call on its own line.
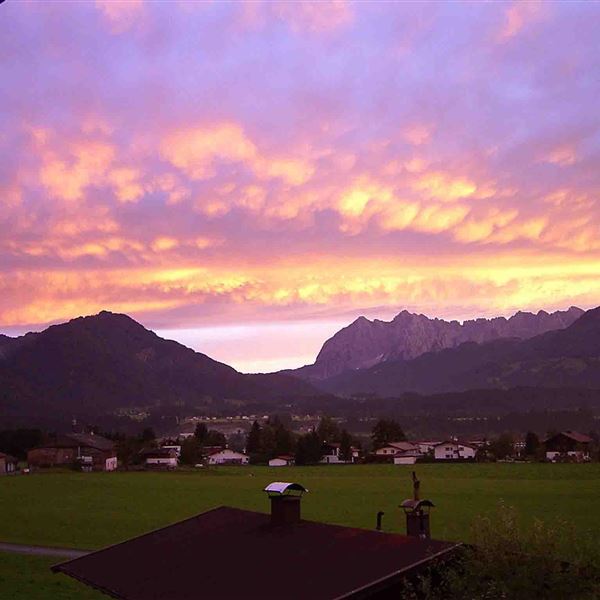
point(232, 553)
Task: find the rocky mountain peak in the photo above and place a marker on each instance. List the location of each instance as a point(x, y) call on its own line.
point(365, 343)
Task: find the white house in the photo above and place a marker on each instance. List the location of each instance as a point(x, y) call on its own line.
point(394, 447)
point(111, 463)
point(177, 449)
point(160, 458)
point(426, 446)
point(331, 454)
point(286, 460)
point(408, 457)
point(227, 457)
point(453, 450)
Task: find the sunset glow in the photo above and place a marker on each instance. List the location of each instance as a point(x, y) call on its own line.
point(250, 177)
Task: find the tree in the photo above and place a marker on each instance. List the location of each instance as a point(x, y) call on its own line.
point(345, 446)
point(215, 438)
point(284, 440)
point(327, 430)
point(17, 442)
point(201, 432)
point(128, 450)
point(386, 431)
point(532, 443)
point(190, 451)
point(502, 447)
point(253, 441)
point(148, 435)
point(237, 441)
point(309, 450)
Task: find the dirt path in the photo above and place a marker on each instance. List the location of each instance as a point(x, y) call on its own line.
point(42, 550)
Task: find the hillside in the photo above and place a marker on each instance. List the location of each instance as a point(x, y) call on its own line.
point(107, 361)
point(564, 358)
point(365, 343)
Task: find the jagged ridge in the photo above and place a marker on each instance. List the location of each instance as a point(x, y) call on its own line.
point(365, 343)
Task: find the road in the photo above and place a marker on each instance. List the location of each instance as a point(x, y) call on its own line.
point(42, 550)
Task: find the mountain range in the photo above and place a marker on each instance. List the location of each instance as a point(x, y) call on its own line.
point(365, 343)
point(568, 357)
point(109, 361)
point(106, 362)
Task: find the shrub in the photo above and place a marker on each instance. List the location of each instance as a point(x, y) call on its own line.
point(548, 562)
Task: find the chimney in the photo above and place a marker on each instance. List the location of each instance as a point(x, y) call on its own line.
point(417, 512)
point(285, 502)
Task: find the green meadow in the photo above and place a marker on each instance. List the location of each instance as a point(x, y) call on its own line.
point(93, 510)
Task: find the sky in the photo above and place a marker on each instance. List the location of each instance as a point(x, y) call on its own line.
point(247, 178)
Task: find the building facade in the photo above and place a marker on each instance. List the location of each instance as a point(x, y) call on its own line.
point(8, 464)
point(568, 446)
point(454, 450)
point(228, 457)
point(88, 452)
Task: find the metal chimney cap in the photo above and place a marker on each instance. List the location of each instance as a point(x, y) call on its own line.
point(281, 488)
point(411, 504)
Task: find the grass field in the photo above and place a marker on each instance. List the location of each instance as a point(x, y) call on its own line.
point(93, 510)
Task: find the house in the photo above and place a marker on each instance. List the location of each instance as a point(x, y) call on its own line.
point(568, 445)
point(454, 450)
point(331, 454)
point(208, 450)
point(159, 458)
point(227, 457)
point(175, 447)
point(426, 446)
point(285, 460)
point(408, 457)
point(87, 451)
point(8, 464)
point(386, 453)
point(282, 555)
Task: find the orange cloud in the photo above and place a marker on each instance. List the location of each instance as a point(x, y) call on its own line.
point(509, 282)
point(197, 151)
point(444, 187)
point(84, 164)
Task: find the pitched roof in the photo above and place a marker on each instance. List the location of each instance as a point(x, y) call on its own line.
point(456, 443)
point(174, 561)
point(8, 457)
point(158, 453)
point(72, 440)
point(580, 438)
point(400, 445)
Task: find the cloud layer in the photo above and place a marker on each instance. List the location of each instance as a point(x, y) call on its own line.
point(202, 164)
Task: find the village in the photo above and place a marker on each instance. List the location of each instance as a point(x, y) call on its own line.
point(272, 444)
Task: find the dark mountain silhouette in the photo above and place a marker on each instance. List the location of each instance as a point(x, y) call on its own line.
point(5, 343)
point(563, 358)
point(366, 343)
point(108, 361)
